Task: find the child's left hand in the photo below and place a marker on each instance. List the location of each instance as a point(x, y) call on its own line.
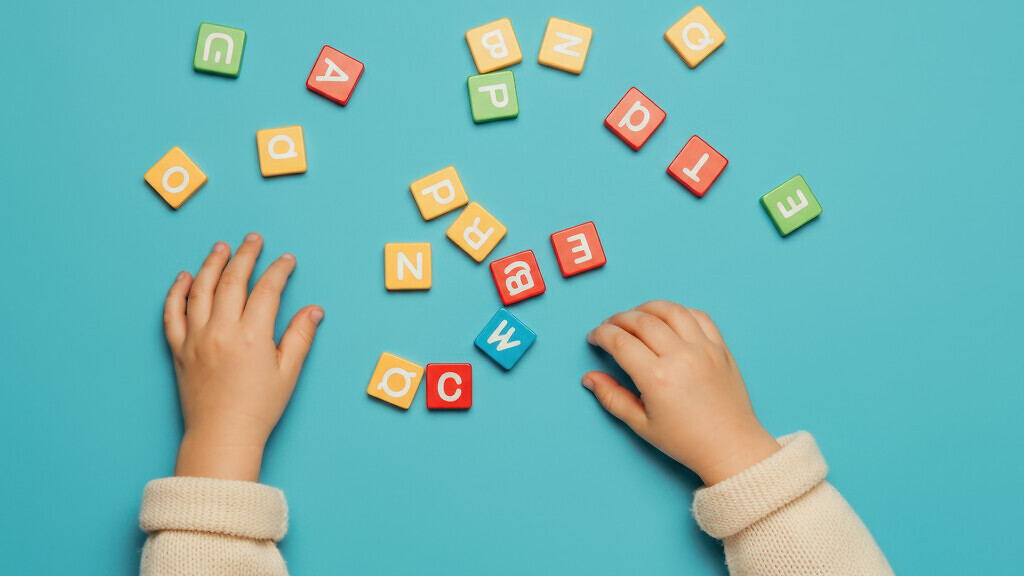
point(233, 380)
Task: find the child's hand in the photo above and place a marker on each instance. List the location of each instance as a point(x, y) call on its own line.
point(693, 405)
point(234, 382)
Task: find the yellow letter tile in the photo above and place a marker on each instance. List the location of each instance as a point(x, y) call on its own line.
point(395, 380)
point(175, 177)
point(282, 151)
point(476, 231)
point(494, 45)
point(407, 266)
point(565, 45)
point(439, 193)
point(695, 36)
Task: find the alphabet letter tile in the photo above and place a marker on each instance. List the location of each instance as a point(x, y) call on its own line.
point(219, 50)
point(791, 205)
point(334, 75)
point(175, 177)
point(449, 386)
point(505, 339)
point(517, 277)
point(695, 36)
point(565, 45)
point(282, 151)
point(476, 231)
point(395, 380)
point(697, 166)
point(493, 96)
point(439, 193)
point(407, 266)
point(578, 249)
point(494, 46)
point(634, 118)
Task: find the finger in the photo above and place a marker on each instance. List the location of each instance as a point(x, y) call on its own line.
point(677, 317)
point(617, 400)
point(709, 327)
point(298, 338)
point(627, 350)
point(261, 309)
point(200, 296)
point(650, 329)
point(175, 325)
point(229, 301)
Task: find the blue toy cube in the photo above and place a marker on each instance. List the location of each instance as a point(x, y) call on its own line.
point(505, 339)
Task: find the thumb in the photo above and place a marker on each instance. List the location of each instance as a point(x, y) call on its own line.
point(298, 338)
point(617, 400)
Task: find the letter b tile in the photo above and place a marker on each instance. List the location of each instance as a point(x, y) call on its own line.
point(505, 339)
point(219, 50)
point(517, 277)
point(494, 46)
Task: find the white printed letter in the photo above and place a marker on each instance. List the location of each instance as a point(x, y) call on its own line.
point(216, 55)
point(481, 236)
point(416, 272)
point(289, 153)
point(385, 382)
point(627, 120)
point(494, 89)
point(563, 48)
point(703, 41)
point(167, 177)
point(334, 74)
point(447, 185)
point(522, 280)
point(440, 386)
point(583, 247)
point(692, 172)
point(497, 49)
point(794, 207)
point(503, 339)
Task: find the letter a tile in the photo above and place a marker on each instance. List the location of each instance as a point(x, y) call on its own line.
point(395, 380)
point(334, 75)
point(281, 150)
point(517, 277)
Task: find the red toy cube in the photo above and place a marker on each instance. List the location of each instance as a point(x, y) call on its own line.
point(578, 249)
point(635, 118)
point(449, 386)
point(697, 166)
point(335, 75)
point(517, 277)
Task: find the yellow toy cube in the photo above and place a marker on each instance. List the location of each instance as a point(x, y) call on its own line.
point(407, 266)
point(476, 231)
point(282, 151)
point(695, 36)
point(565, 45)
point(439, 193)
point(494, 46)
point(175, 177)
point(395, 380)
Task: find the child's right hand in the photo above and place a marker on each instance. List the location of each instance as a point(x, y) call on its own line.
point(693, 405)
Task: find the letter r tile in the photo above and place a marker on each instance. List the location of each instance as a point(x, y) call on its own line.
point(476, 231)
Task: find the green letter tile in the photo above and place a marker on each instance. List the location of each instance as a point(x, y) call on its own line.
point(791, 205)
point(219, 50)
point(493, 96)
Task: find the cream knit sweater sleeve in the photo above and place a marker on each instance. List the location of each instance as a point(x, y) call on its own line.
point(201, 526)
point(780, 517)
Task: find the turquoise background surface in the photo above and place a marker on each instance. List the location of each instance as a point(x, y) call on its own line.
point(889, 327)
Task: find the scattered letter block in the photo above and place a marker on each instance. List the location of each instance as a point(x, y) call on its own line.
point(395, 380)
point(493, 96)
point(282, 151)
point(494, 46)
point(517, 277)
point(695, 36)
point(175, 177)
point(476, 231)
point(449, 386)
point(791, 205)
point(439, 193)
point(219, 50)
point(334, 75)
point(565, 45)
point(505, 339)
point(578, 249)
point(407, 266)
point(697, 166)
point(635, 118)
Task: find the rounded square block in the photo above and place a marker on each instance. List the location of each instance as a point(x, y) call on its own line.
point(791, 205)
point(697, 166)
point(517, 277)
point(282, 151)
point(578, 249)
point(565, 45)
point(407, 266)
point(695, 36)
point(494, 46)
point(476, 231)
point(175, 177)
point(334, 75)
point(439, 193)
point(635, 118)
point(505, 339)
point(395, 380)
point(493, 96)
point(449, 386)
point(219, 50)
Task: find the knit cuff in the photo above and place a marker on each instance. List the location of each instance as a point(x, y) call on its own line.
point(230, 507)
point(732, 505)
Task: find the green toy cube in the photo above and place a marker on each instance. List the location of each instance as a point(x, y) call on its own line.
point(791, 205)
point(493, 96)
point(219, 50)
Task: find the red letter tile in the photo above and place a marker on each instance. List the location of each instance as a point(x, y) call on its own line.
point(635, 118)
point(578, 249)
point(335, 75)
point(697, 166)
point(449, 386)
point(517, 277)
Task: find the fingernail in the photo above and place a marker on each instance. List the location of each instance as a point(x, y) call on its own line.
point(588, 383)
point(181, 276)
point(219, 246)
point(590, 336)
point(317, 315)
point(288, 256)
point(252, 237)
